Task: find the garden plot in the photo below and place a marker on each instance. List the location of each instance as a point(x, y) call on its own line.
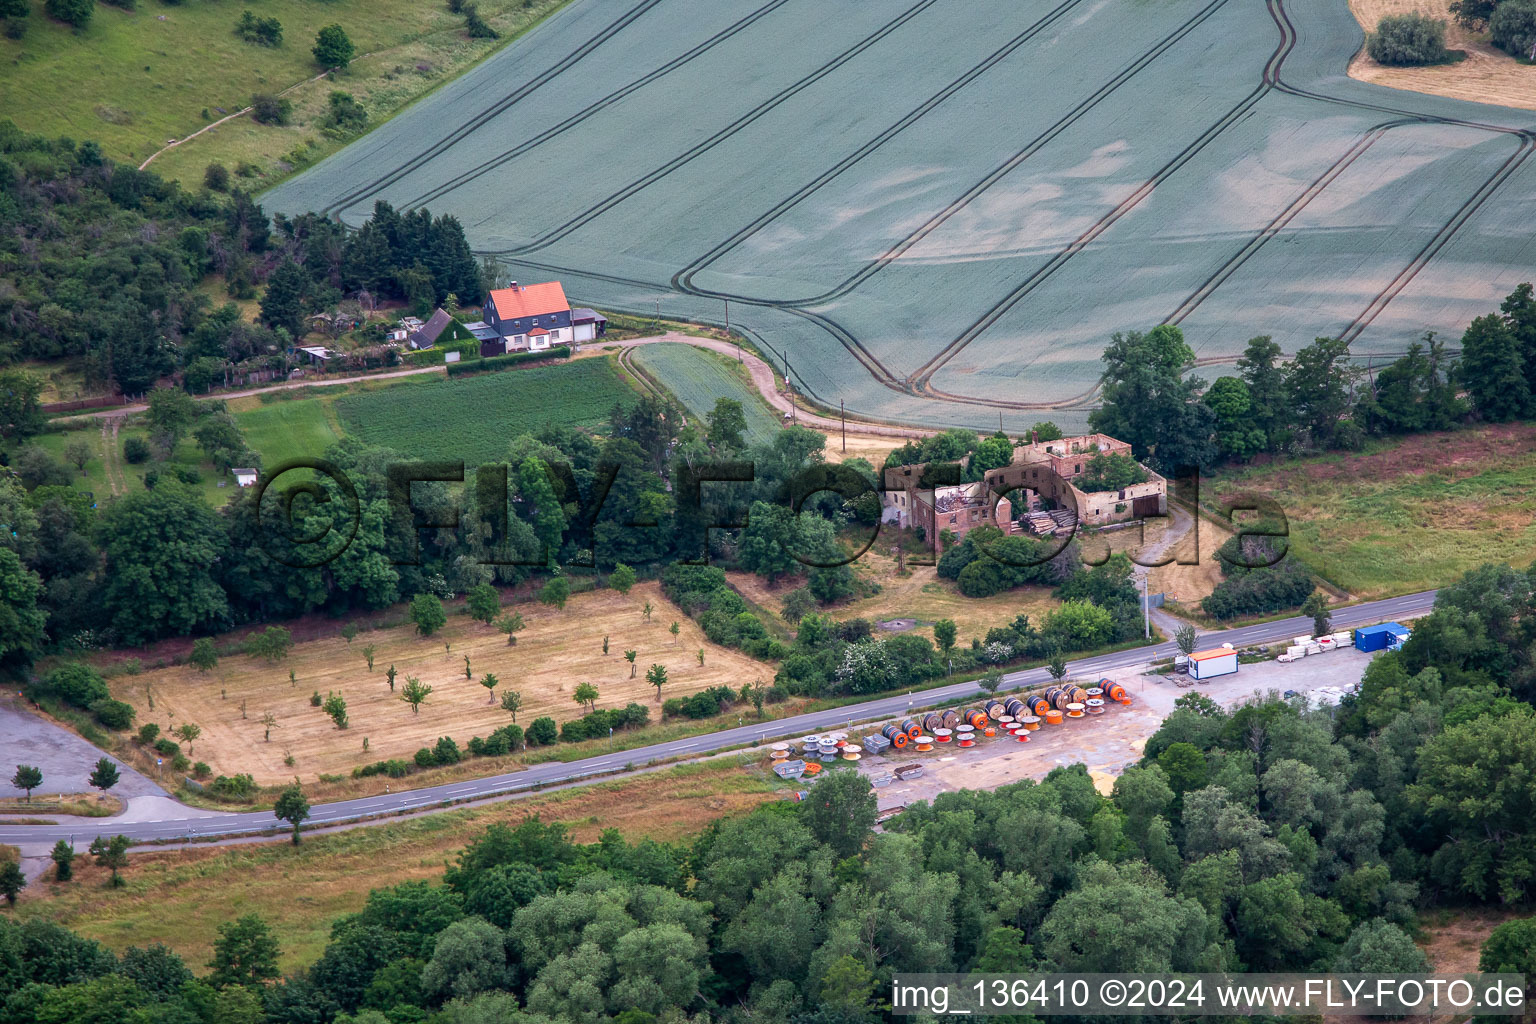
point(939, 212)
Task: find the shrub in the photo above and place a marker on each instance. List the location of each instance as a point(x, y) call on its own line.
point(394, 768)
point(1405, 39)
point(181, 763)
point(269, 109)
point(167, 748)
point(201, 770)
point(76, 684)
point(148, 733)
point(512, 735)
point(114, 714)
point(424, 758)
point(71, 12)
point(240, 787)
point(542, 732)
point(346, 116)
point(261, 31)
point(446, 751)
point(476, 26)
point(576, 730)
point(332, 48)
point(1512, 27)
point(511, 359)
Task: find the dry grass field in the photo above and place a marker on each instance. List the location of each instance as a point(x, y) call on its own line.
point(300, 891)
point(557, 651)
point(1408, 515)
point(1486, 76)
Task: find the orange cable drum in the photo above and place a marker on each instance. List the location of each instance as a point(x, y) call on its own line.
point(1053, 717)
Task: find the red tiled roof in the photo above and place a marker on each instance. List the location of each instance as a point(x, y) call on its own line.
point(530, 300)
point(537, 332)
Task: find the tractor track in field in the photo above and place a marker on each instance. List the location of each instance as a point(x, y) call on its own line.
point(1280, 220)
point(469, 127)
point(594, 108)
point(684, 280)
point(919, 382)
point(697, 150)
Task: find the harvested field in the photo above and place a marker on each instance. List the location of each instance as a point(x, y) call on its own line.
point(553, 655)
point(1487, 75)
point(864, 186)
point(1409, 515)
point(302, 890)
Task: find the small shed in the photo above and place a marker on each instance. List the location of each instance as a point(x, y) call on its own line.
point(245, 477)
point(1388, 636)
point(1219, 661)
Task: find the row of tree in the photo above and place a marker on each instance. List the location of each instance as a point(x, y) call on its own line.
point(1320, 398)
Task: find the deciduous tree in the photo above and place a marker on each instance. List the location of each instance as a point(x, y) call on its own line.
point(104, 776)
point(415, 693)
point(293, 807)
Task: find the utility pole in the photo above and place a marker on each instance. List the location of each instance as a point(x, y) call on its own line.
point(844, 413)
point(1146, 606)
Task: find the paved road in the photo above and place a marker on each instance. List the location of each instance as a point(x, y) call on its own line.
point(189, 822)
point(200, 824)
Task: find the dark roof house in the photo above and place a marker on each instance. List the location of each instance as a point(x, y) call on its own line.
point(426, 336)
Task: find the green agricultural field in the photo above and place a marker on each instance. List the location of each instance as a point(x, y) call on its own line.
point(697, 377)
point(133, 80)
point(1405, 516)
point(938, 215)
point(473, 418)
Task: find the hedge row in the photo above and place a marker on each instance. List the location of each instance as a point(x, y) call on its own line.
point(508, 360)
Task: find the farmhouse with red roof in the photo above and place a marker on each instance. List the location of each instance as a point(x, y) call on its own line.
point(535, 317)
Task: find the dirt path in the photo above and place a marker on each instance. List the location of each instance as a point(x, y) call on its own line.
point(111, 455)
point(767, 385)
point(239, 113)
point(119, 411)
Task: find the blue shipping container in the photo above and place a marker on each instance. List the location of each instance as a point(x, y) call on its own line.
point(1379, 638)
